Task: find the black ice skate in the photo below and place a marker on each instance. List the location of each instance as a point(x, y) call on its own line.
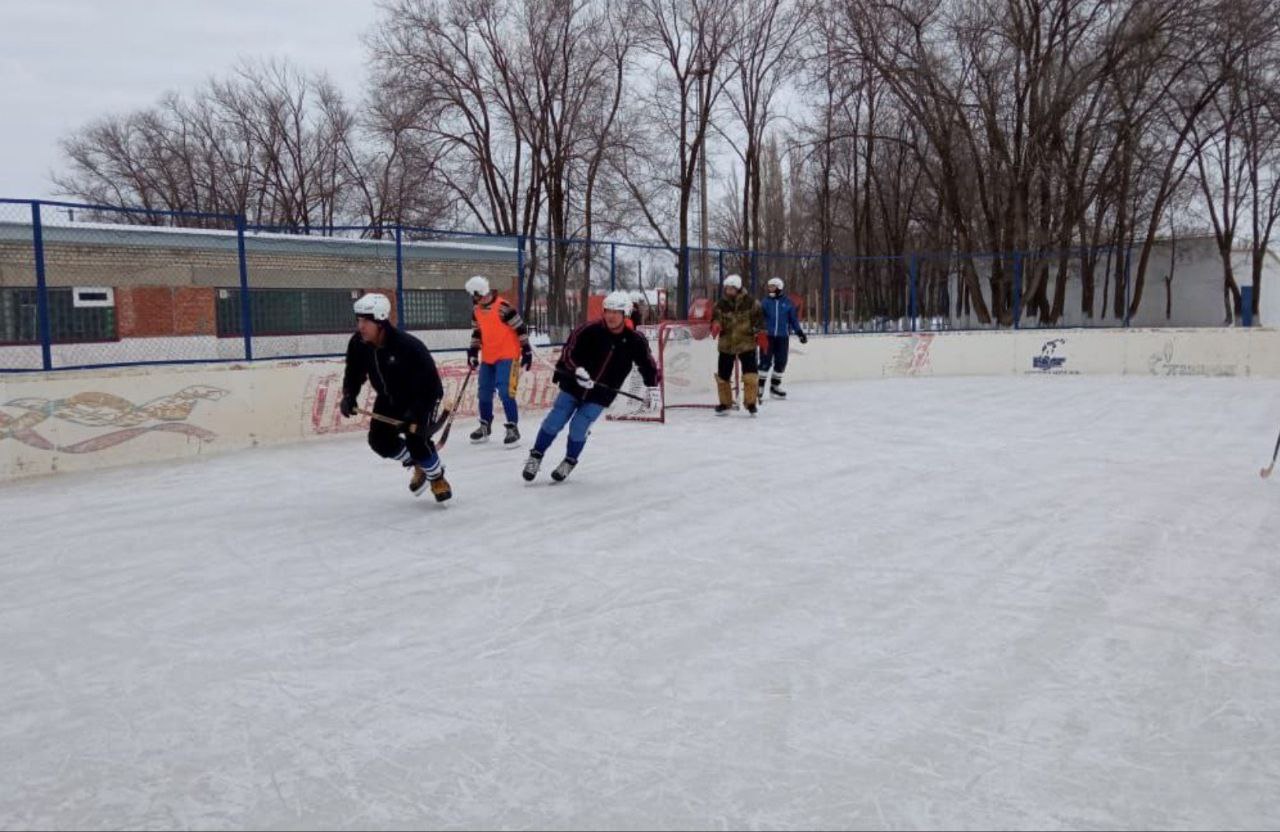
point(512, 439)
point(480, 434)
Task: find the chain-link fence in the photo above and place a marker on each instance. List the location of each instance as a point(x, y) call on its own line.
point(84, 286)
point(88, 286)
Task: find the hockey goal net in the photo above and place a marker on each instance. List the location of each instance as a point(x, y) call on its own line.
point(687, 356)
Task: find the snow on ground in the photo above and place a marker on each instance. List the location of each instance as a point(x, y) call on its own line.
point(960, 603)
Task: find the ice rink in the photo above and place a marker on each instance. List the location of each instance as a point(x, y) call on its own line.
point(1042, 602)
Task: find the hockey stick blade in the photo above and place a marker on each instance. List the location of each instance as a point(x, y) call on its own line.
point(1266, 472)
point(446, 418)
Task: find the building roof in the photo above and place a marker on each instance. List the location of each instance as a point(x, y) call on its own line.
point(480, 249)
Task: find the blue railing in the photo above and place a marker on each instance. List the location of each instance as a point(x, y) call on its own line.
point(91, 286)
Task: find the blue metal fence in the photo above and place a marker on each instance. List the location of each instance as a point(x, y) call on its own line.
point(89, 286)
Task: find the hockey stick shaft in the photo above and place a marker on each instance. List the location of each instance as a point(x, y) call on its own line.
point(378, 417)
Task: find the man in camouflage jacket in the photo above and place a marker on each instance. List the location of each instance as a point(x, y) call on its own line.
point(738, 324)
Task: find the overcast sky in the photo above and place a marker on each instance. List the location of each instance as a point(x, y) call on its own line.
point(65, 62)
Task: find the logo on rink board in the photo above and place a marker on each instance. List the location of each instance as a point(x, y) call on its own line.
point(1051, 359)
point(118, 419)
point(1162, 364)
point(912, 358)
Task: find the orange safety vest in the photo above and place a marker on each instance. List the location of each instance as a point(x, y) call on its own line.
point(498, 341)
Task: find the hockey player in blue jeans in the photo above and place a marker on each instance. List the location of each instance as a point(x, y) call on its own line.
point(779, 322)
point(593, 364)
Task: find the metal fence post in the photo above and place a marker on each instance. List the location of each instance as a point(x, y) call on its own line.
point(1017, 289)
point(613, 267)
point(684, 268)
point(825, 306)
point(520, 273)
point(42, 289)
point(1128, 258)
point(913, 273)
point(400, 316)
point(246, 308)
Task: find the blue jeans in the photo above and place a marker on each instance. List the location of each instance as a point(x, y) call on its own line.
point(578, 415)
point(501, 376)
point(776, 357)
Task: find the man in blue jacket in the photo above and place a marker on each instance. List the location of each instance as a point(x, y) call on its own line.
point(779, 322)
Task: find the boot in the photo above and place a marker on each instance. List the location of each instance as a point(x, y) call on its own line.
point(512, 439)
point(725, 392)
point(775, 387)
point(440, 488)
point(563, 469)
point(418, 481)
point(531, 466)
point(480, 434)
point(751, 385)
point(760, 391)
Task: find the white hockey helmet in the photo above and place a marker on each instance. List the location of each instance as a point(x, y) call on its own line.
point(775, 283)
point(619, 301)
point(373, 305)
point(477, 285)
point(733, 281)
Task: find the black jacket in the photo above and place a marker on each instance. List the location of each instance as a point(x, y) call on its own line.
point(402, 372)
point(607, 357)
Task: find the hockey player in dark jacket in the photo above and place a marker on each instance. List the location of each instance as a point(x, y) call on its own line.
point(780, 321)
point(593, 364)
point(402, 372)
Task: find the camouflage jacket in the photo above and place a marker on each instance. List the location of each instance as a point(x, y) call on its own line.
point(739, 319)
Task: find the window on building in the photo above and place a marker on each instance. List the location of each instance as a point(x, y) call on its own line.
point(287, 311)
point(68, 323)
point(437, 309)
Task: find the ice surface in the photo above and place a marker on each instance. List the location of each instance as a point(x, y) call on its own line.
point(961, 603)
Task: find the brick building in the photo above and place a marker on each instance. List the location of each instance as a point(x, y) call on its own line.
point(119, 282)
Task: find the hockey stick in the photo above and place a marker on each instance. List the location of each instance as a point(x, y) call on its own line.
point(1266, 472)
point(556, 371)
point(444, 420)
point(453, 408)
point(411, 427)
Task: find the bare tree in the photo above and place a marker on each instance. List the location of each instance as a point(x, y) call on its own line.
point(1234, 139)
point(268, 143)
point(689, 40)
point(764, 57)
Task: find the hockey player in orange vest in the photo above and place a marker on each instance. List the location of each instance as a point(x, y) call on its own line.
point(498, 339)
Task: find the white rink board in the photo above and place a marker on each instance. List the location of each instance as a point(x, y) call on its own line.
point(82, 420)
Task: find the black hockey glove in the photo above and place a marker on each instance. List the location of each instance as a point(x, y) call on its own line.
point(348, 406)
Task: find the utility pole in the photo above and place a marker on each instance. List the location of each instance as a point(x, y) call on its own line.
point(703, 263)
